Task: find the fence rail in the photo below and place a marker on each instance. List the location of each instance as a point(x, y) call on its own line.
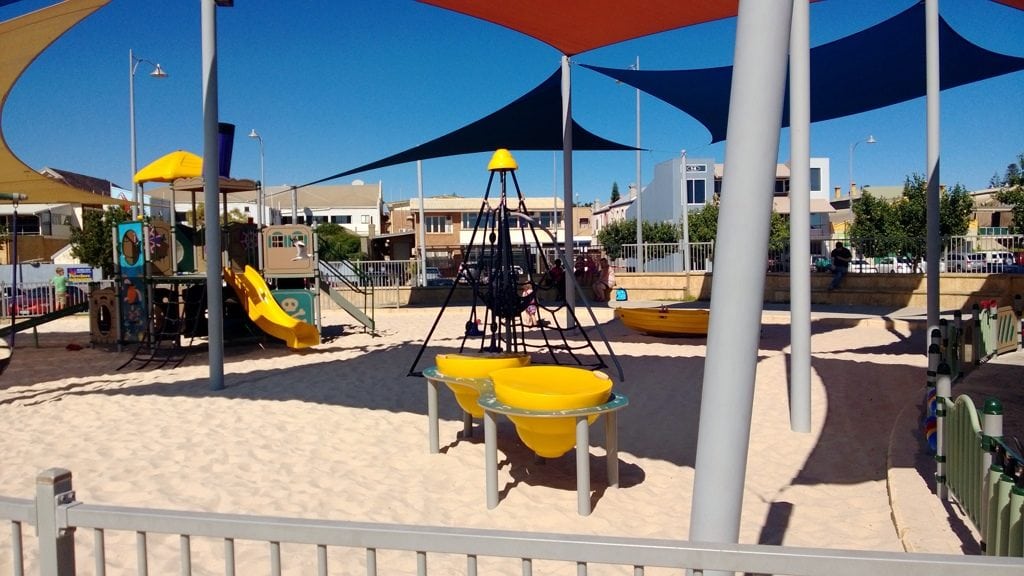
point(58, 516)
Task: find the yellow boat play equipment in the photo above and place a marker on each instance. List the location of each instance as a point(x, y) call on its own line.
point(465, 374)
point(664, 321)
point(549, 391)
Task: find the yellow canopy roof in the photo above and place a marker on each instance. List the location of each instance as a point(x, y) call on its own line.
point(170, 167)
point(23, 38)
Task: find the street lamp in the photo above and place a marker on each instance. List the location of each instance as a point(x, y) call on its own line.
point(158, 72)
point(260, 194)
point(870, 140)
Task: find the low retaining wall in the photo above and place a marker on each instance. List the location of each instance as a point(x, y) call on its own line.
point(957, 291)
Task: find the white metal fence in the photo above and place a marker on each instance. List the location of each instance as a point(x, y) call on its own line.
point(38, 298)
point(59, 519)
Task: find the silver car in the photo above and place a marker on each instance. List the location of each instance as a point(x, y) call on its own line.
point(966, 262)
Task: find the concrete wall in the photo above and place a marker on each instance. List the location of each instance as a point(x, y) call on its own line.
point(959, 291)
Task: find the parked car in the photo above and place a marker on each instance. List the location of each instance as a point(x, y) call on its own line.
point(997, 261)
point(434, 278)
point(894, 265)
point(966, 262)
point(862, 266)
point(41, 300)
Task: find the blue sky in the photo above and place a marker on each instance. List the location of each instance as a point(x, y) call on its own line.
point(331, 85)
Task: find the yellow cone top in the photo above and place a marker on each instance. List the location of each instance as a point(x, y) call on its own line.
point(502, 160)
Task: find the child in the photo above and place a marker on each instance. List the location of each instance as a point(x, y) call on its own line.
point(531, 306)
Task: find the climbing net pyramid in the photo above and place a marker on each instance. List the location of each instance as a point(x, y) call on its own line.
point(508, 312)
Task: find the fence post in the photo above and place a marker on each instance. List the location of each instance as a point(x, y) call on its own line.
point(1016, 537)
point(933, 362)
point(56, 544)
point(991, 430)
point(958, 325)
point(1018, 309)
point(976, 336)
point(942, 393)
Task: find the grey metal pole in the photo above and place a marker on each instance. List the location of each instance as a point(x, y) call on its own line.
point(931, 11)
point(686, 218)
point(422, 236)
point(131, 127)
point(211, 180)
point(295, 206)
point(800, 219)
point(640, 256)
point(570, 279)
point(755, 113)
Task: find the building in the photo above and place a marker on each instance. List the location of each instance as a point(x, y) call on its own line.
point(662, 200)
point(605, 214)
point(450, 222)
point(45, 229)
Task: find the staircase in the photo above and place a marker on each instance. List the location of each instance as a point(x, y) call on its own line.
point(348, 278)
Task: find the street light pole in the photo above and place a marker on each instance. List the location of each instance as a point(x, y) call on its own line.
point(870, 140)
point(158, 72)
point(261, 193)
point(639, 186)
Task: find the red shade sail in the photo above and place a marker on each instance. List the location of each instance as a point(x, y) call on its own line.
point(574, 26)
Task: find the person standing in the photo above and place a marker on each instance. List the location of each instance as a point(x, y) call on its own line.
point(557, 276)
point(60, 286)
point(840, 265)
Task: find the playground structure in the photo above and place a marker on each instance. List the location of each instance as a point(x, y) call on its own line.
point(506, 279)
point(159, 297)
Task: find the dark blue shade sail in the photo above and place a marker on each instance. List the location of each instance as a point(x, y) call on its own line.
point(874, 68)
point(532, 122)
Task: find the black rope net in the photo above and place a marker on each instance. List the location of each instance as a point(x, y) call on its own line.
point(509, 280)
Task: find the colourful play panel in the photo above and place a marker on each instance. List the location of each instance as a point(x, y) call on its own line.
point(465, 374)
point(551, 393)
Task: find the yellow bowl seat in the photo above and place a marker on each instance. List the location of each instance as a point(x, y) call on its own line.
point(468, 373)
point(548, 390)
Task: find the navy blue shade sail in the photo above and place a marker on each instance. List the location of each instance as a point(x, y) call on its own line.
point(532, 122)
point(874, 68)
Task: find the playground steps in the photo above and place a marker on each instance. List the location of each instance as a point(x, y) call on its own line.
point(329, 275)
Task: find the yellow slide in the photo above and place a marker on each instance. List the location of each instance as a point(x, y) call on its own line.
point(265, 312)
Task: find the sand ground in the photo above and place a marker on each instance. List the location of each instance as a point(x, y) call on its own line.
point(340, 432)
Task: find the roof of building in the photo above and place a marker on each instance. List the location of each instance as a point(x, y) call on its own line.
point(460, 204)
point(780, 204)
point(80, 181)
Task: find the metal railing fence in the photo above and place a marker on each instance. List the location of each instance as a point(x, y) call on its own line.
point(59, 518)
point(38, 298)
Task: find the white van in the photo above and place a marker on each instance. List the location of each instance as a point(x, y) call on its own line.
point(996, 261)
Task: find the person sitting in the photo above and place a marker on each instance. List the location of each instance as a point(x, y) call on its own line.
point(841, 257)
point(602, 287)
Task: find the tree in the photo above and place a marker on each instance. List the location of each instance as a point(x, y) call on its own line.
point(614, 235)
point(1012, 193)
point(91, 243)
point(234, 215)
point(899, 227)
point(703, 225)
point(615, 192)
point(335, 243)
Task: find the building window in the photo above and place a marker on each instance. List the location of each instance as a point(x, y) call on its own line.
point(471, 220)
point(815, 179)
point(696, 191)
point(782, 186)
point(439, 224)
point(547, 218)
point(584, 222)
point(364, 219)
point(343, 219)
point(994, 231)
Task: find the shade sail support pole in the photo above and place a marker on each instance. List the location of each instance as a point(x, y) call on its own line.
point(568, 219)
point(211, 184)
point(755, 119)
point(800, 219)
point(933, 231)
